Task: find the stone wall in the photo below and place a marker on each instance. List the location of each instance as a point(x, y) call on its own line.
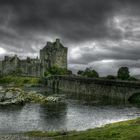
point(121, 90)
point(53, 54)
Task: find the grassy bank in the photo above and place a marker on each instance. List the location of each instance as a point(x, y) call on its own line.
point(19, 81)
point(127, 130)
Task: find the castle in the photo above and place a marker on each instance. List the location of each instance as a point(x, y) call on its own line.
point(53, 54)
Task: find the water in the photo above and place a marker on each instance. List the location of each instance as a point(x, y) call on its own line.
point(72, 115)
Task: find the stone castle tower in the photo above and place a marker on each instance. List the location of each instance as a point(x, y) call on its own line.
point(53, 54)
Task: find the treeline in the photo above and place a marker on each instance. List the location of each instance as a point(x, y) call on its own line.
point(122, 74)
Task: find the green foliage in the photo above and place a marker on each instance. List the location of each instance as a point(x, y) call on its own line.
point(111, 77)
point(17, 80)
point(80, 72)
point(89, 72)
point(57, 71)
point(123, 73)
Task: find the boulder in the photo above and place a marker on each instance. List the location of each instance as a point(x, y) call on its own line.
point(18, 96)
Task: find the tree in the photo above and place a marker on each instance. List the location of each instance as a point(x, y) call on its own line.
point(92, 74)
point(89, 72)
point(80, 72)
point(123, 73)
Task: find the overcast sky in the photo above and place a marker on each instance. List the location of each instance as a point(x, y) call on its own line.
point(103, 34)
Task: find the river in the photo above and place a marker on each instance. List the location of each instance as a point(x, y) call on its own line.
point(73, 114)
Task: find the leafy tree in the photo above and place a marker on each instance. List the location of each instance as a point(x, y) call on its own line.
point(123, 73)
point(80, 72)
point(92, 74)
point(89, 72)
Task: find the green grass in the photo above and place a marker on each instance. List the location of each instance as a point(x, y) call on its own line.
point(19, 81)
point(127, 130)
point(42, 134)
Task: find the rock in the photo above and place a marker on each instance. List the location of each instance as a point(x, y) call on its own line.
point(9, 95)
point(53, 99)
point(18, 96)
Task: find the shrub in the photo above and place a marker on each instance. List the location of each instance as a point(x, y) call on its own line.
point(55, 70)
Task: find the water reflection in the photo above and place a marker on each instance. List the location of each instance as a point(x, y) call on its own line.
point(91, 99)
point(54, 110)
point(54, 116)
point(78, 112)
point(8, 117)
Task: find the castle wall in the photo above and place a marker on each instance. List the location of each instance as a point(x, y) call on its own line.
point(53, 54)
point(59, 57)
point(10, 65)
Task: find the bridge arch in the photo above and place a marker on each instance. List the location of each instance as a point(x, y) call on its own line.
point(134, 97)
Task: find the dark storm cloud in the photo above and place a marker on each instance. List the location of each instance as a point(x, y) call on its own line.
point(74, 20)
point(25, 25)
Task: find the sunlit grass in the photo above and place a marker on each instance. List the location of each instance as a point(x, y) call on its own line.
point(19, 81)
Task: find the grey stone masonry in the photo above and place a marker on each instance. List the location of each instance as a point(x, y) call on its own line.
point(53, 54)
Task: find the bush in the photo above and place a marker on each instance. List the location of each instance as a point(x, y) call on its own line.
point(55, 70)
point(123, 73)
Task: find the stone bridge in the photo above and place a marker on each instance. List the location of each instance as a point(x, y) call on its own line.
point(101, 88)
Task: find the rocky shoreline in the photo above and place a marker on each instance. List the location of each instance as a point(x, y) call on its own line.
point(12, 95)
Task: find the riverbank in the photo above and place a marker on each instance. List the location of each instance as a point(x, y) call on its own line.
point(126, 130)
point(19, 80)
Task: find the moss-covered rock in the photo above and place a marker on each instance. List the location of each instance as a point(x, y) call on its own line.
point(18, 96)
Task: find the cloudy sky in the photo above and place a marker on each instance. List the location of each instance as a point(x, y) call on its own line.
point(103, 34)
